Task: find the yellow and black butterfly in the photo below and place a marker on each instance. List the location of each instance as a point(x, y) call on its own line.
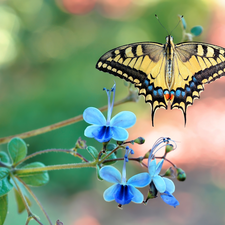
point(169, 72)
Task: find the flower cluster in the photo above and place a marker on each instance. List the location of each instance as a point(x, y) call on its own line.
point(124, 191)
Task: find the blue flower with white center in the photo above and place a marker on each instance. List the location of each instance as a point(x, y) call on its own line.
point(123, 191)
point(169, 199)
point(103, 130)
point(162, 184)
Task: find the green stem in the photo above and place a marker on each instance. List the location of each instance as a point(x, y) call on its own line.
point(36, 199)
point(51, 150)
point(129, 98)
point(54, 167)
point(30, 214)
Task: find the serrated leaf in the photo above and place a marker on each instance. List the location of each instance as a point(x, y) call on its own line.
point(93, 151)
point(5, 186)
point(4, 157)
point(35, 178)
point(3, 208)
point(17, 149)
point(20, 204)
point(197, 30)
point(4, 172)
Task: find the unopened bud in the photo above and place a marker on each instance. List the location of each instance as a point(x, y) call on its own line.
point(169, 172)
point(81, 144)
point(169, 148)
point(139, 140)
point(181, 175)
point(152, 192)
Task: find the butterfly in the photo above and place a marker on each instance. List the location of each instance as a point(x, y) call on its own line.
point(167, 72)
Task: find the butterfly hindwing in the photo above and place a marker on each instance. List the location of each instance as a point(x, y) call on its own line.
point(141, 64)
point(195, 64)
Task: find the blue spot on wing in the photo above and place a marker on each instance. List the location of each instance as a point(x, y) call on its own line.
point(150, 88)
point(183, 93)
point(160, 92)
point(146, 82)
point(178, 92)
point(154, 92)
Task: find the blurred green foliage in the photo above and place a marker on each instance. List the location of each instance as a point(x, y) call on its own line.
point(48, 68)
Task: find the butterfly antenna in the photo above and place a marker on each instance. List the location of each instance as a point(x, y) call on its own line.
point(177, 24)
point(161, 23)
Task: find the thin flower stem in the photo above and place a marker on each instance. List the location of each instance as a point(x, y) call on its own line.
point(54, 167)
point(51, 150)
point(36, 199)
point(102, 160)
point(42, 130)
point(30, 214)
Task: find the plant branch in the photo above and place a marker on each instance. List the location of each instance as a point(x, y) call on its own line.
point(71, 151)
point(36, 199)
point(75, 119)
point(54, 167)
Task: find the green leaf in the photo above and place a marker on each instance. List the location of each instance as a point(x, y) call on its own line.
point(4, 157)
point(4, 172)
point(93, 151)
point(112, 156)
point(197, 30)
point(20, 204)
point(3, 208)
point(35, 178)
point(17, 149)
point(97, 171)
point(5, 186)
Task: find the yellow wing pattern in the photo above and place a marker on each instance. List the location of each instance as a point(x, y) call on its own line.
point(195, 64)
point(149, 65)
point(142, 64)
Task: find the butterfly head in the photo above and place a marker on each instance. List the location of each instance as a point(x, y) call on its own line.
point(169, 39)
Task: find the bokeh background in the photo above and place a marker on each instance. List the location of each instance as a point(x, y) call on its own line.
point(48, 52)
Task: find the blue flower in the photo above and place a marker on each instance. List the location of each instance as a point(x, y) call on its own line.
point(123, 192)
point(162, 184)
point(103, 130)
point(169, 199)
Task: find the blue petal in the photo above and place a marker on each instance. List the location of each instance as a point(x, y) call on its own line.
point(159, 183)
point(94, 116)
point(103, 134)
point(110, 174)
point(169, 199)
point(88, 132)
point(124, 119)
point(159, 167)
point(119, 134)
point(109, 193)
point(152, 167)
point(140, 180)
point(138, 196)
point(124, 194)
point(170, 187)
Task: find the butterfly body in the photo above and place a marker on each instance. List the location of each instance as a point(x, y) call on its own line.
point(166, 73)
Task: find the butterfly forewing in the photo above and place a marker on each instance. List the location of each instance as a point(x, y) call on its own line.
point(142, 64)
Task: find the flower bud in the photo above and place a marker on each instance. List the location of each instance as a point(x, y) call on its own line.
point(181, 175)
point(169, 172)
point(169, 148)
point(152, 192)
point(139, 140)
point(146, 155)
point(81, 144)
